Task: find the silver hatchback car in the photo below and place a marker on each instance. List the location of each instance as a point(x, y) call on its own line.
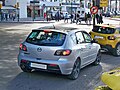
point(59, 50)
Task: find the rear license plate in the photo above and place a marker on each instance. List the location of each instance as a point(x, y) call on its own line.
point(41, 66)
point(96, 37)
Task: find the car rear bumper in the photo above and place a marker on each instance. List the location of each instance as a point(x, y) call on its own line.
point(57, 66)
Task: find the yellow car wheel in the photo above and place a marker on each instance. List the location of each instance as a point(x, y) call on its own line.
point(116, 51)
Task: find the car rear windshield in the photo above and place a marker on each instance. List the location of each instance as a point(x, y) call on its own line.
point(46, 38)
point(103, 30)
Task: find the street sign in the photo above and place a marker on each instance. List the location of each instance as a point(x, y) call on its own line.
point(94, 9)
point(103, 3)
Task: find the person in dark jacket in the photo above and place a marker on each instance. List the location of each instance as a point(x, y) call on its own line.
point(89, 18)
point(100, 19)
point(78, 18)
point(86, 21)
point(97, 18)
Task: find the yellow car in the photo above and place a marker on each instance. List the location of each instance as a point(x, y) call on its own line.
point(111, 79)
point(108, 37)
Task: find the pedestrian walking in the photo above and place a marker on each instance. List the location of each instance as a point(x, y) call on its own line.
point(66, 17)
point(57, 16)
point(97, 18)
point(89, 18)
point(2, 16)
point(45, 16)
point(6, 16)
point(71, 17)
point(74, 17)
point(48, 17)
point(78, 18)
point(13, 16)
point(100, 19)
point(86, 21)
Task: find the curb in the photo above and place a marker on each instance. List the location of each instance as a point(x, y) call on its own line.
point(115, 19)
point(27, 22)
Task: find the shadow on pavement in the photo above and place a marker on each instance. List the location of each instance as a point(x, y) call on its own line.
point(51, 81)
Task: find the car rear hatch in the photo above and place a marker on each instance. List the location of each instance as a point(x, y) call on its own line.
point(42, 44)
point(102, 33)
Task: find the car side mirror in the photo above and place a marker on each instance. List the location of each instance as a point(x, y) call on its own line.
point(94, 41)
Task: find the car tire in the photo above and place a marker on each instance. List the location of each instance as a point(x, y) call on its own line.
point(98, 59)
point(25, 69)
point(76, 70)
point(116, 50)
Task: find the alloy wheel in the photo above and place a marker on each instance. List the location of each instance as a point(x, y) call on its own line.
point(118, 50)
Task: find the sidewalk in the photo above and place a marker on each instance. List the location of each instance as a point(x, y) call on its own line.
point(28, 20)
point(37, 20)
point(116, 19)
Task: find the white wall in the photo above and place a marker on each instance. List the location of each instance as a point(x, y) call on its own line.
point(23, 8)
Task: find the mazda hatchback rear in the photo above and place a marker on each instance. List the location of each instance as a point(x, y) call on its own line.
point(60, 51)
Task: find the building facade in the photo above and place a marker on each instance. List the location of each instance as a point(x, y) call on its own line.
point(26, 8)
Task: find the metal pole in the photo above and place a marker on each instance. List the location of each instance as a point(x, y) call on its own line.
point(71, 11)
point(110, 5)
point(119, 5)
point(115, 5)
point(0, 14)
point(33, 10)
point(93, 15)
point(18, 14)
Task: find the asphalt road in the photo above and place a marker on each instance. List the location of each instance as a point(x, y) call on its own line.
point(12, 78)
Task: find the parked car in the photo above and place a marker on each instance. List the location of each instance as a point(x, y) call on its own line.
point(108, 14)
point(108, 37)
point(59, 50)
point(52, 14)
point(63, 14)
point(118, 12)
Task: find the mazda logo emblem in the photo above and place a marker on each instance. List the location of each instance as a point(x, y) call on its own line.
point(39, 49)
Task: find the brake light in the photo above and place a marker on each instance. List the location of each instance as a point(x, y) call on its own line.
point(47, 31)
point(23, 47)
point(90, 33)
point(52, 65)
point(63, 52)
point(111, 37)
point(23, 61)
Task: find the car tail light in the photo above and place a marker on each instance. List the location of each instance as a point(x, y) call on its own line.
point(52, 65)
point(111, 37)
point(47, 31)
point(63, 52)
point(23, 61)
point(90, 33)
point(23, 47)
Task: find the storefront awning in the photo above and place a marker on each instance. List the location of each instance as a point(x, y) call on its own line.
point(7, 7)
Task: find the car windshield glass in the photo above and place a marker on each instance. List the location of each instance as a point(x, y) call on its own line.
point(46, 38)
point(103, 30)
